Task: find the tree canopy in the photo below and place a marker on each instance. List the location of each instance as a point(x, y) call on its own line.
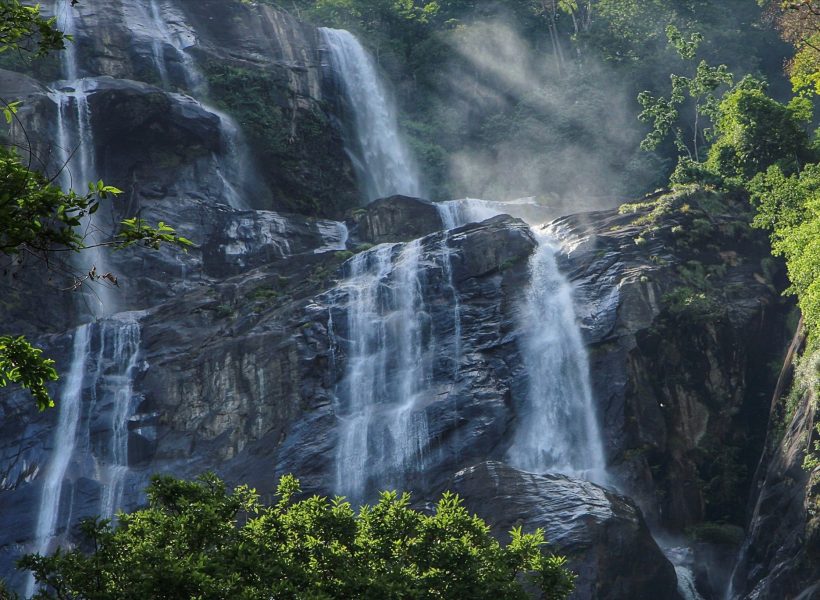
point(198, 539)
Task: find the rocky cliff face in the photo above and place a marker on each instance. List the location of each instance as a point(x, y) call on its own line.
point(684, 325)
point(780, 553)
point(235, 354)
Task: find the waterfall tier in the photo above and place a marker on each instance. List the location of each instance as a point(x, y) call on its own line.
point(382, 161)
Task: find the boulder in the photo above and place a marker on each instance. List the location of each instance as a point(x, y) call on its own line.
point(602, 533)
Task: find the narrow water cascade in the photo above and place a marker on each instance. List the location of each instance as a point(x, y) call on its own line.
point(150, 19)
point(388, 381)
point(557, 430)
point(686, 583)
point(75, 158)
point(65, 439)
point(682, 558)
point(115, 395)
point(91, 437)
point(382, 161)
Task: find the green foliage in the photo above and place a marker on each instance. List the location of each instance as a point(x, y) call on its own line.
point(700, 88)
point(199, 540)
point(754, 132)
point(790, 208)
point(37, 216)
point(23, 28)
point(24, 365)
point(138, 231)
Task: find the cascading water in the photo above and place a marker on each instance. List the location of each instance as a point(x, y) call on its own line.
point(65, 439)
point(122, 335)
point(75, 155)
point(455, 213)
point(382, 427)
point(557, 430)
point(104, 361)
point(149, 19)
point(373, 141)
point(390, 345)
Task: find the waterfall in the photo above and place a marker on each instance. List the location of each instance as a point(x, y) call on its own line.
point(75, 155)
point(373, 142)
point(65, 439)
point(686, 583)
point(122, 335)
point(148, 18)
point(390, 346)
point(455, 213)
point(150, 24)
point(91, 437)
point(557, 429)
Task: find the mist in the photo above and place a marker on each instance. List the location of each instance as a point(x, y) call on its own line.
point(566, 138)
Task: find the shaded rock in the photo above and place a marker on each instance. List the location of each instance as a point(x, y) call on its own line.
point(683, 327)
point(397, 219)
point(603, 534)
point(781, 552)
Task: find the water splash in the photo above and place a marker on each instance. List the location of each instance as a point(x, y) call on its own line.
point(382, 162)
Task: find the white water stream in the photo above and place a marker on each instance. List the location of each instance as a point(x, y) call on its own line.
point(99, 385)
point(557, 431)
point(380, 403)
point(381, 159)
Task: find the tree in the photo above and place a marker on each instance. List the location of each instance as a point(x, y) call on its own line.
point(789, 207)
point(700, 88)
point(799, 24)
point(199, 540)
point(754, 131)
point(37, 219)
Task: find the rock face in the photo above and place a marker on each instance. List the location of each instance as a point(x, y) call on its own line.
point(251, 62)
point(397, 219)
point(681, 333)
point(780, 555)
point(603, 534)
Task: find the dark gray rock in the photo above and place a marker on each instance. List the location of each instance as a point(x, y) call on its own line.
point(781, 552)
point(602, 533)
point(397, 219)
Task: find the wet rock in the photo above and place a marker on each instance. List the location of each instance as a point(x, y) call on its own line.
point(682, 327)
point(602, 533)
point(397, 219)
